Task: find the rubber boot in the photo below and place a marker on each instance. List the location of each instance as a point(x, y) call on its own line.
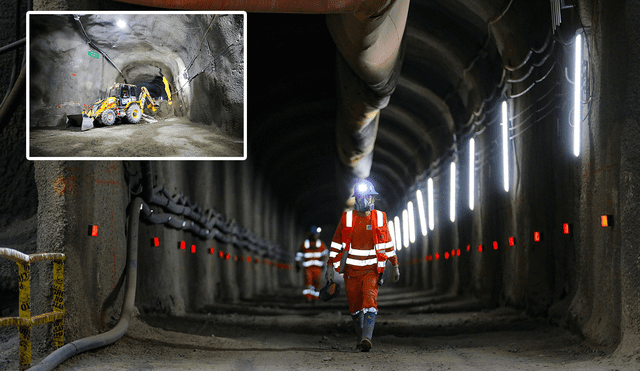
point(367, 331)
point(358, 319)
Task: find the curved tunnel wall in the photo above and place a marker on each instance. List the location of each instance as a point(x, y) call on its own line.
point(587, 281)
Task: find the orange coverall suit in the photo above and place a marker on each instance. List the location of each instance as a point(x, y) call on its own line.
point(310, 255)
point(369, 247)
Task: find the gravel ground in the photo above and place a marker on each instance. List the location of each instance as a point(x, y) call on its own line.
point(170, 137)
point(319, 339)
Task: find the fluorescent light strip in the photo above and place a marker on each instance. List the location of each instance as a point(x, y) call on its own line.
point(577, 88)
point(430, 195)
point(412, 223)
point(423, 219)
point(472, 173)
point(505, 146)
point(397, 241)
point(452, 194)
point(405, 228)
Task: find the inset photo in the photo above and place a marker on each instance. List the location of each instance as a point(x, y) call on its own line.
point(143, 85)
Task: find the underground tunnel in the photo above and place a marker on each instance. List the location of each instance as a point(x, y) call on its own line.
point(191, 65)
point(500, 135)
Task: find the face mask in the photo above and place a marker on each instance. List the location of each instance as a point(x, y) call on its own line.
point(364, 204)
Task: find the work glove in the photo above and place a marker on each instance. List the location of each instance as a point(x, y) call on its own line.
point(328, 275)
point(395, 276)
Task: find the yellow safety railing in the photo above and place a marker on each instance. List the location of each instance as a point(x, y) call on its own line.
point(25, 321)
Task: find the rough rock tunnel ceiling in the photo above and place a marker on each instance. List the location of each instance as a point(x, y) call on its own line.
point(457, 56)
point(200, 56)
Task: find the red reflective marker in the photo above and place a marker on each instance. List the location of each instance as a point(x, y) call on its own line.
point(212, 250)
point(93, 230)
point(235, 259)
point(446, 255)
point(182, 245)
point(512, 241)
point(495, 245)
point(605, 221)
point(480, 248)
point(458, 252)
point(221, 254)
point(228, 256)
point(156, 242)
point(536, 236)
point(565, 228)
point(437, 256)
point(248, 259)
point(468, 247)
point(193, 249)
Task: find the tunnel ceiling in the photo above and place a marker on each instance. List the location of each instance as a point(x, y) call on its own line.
point(455, 53)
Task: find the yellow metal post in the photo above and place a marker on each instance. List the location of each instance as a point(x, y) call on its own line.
point(24, 311)
point(58, 302)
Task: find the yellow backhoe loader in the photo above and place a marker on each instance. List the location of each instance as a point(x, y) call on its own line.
point(122, 102)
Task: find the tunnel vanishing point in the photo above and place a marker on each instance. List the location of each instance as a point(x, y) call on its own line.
point(518, 121)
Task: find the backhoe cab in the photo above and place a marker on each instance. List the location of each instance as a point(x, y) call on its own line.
point(122, 102)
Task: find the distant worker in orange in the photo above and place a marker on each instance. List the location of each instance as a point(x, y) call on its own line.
point(360, 249)
point(312, 257)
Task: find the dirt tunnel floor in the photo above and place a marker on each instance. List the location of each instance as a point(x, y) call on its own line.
point(501, 339)
point(171, 137)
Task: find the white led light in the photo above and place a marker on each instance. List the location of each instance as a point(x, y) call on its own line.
point(392, 232)
point(319, 230)
point(423, 219)
point(432, 223)
point(121, 23)
point(505, 146)
point(396, 241)
point(577, 88)
point(412, 223)
point(405, 228)
point(472, 172)
point(452, 193)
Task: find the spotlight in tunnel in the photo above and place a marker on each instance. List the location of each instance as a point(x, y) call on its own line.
point(398, 236)
point(423, 219)
point(412, 225)
point(405, 228)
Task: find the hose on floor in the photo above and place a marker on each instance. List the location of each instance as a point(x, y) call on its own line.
point(111, 336)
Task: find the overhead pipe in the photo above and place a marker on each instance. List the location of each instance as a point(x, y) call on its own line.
point(368, 35)
point(278, 6)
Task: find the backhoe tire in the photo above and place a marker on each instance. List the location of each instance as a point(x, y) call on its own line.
point(134, 113)
point(108, 117)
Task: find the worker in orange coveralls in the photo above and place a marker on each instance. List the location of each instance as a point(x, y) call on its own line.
point(360, 249)
point(312, 256)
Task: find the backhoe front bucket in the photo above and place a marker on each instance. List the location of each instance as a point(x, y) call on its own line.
point(87, 122)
